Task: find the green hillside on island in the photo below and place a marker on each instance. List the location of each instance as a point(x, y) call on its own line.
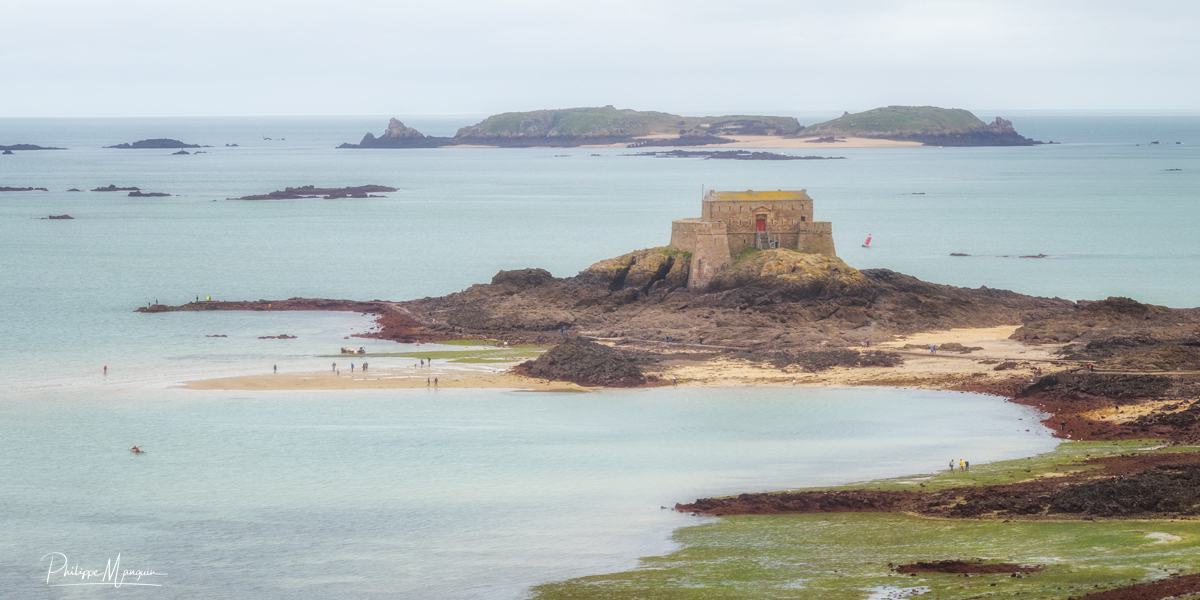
point(588, 126)
point(608, 121)
point(930, 125)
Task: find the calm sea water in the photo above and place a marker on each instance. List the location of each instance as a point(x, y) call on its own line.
point(478, 493)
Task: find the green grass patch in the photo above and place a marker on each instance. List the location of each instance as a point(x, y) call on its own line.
point(469, 343)
point(475, 355)
point(846, 556)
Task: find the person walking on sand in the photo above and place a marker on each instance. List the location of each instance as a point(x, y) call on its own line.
point(276, 368)
point(364, 367)
point(422, 363)
point(334, 369)
point(435, 382)
point(351, 367)
point(932, 350)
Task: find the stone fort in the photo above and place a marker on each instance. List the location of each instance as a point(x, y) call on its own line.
point(731, 222)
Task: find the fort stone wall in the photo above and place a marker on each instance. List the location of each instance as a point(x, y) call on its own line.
point(710, 254)
point(683, 234)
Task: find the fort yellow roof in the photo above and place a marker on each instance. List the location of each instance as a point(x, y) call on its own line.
point(753, 196)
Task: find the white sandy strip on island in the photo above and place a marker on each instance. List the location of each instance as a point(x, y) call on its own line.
point(919, 370)
point(379, 379)
point(779, 142)
point(773, 142)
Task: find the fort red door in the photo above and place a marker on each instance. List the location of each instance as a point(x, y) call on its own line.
point(760, 224)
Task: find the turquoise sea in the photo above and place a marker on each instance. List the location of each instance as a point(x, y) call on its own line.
point(465, 494)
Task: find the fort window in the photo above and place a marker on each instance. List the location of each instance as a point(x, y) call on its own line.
point(802, 218)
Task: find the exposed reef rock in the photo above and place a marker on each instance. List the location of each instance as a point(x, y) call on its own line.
point(158, 143)
point(60, 217)
point(23, 189)
point(113, 188)
point(397, 135)
point(764, 304)
point(140, 194)
point(586, 363)
point(395, 322)
point(308, 191)
point(929, 125)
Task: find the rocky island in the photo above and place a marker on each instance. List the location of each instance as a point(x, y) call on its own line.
point(308, 191)
point(608, 126)
point(157, 143)
point(23, 189)
point(9, 149)
point(929, 125)
point(592, 126)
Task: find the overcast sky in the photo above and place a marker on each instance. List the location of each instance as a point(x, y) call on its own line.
point(266, 57)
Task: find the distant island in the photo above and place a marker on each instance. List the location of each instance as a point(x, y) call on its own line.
point(929, 125)
point(309, 191)
point(571, 127)
point(157, 143)
point(607, 125)
point(22, 189)
point(112, 187)
point(9, 149)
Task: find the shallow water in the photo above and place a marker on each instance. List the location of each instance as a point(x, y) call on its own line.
point(448, 494)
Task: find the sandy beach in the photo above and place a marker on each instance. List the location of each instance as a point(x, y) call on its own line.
point(774, 142)
point(777, 142)
point(920, 370)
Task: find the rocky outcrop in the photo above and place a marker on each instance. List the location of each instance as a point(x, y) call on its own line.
point(791, 275)
point(397, 135)
point(140, 194)
point(23, 189)
point(309, 191)
point(113, 188)
point(156, 143)
point(586, 363)
point(772, 302)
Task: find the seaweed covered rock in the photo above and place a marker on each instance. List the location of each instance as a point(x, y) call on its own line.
point(794, 275)
point(586, 363)
point(640, 270)
point(519, 279)
point(1112, 313)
